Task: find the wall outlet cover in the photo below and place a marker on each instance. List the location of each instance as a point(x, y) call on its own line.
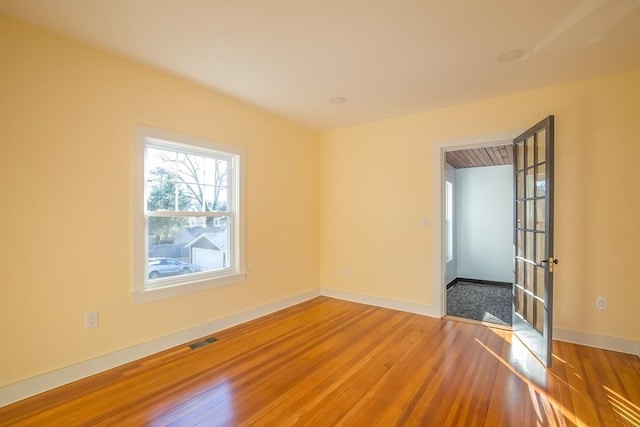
point(601, 303)
point(91, 319)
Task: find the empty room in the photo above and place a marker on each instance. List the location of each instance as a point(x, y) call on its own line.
point(244, 219)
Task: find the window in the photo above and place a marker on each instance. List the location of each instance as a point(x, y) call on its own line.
point(187, 214)
point(448, 220)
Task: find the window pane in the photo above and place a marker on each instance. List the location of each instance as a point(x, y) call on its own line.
point(541, 146)
point(529, 315)
point(519, 301)
point(520, 243)
point(448, 244)
point(520, 272)
point(216, 184)
point(530, 152)
point(164, 192)
point(210, 251)
point(520, 156)
point(178, 181)
point(529, 254)
point(214, 197)
point(540, 214)
point(529, 213)
point(528, 268)
point(520, 214)
point(539, 317)
point(540, 248)
point(530, 183)
point(539, 288)
point(541, 184)
point(520, 186)
point(186, 245)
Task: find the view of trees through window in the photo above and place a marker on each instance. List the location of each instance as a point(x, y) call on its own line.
point(187, 195)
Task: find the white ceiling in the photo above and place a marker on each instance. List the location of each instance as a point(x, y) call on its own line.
point(387, 57)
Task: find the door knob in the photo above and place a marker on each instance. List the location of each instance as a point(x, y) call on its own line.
point(549, 263)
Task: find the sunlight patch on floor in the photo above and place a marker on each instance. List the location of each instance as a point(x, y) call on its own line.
point(554, 413)
point(627, 410)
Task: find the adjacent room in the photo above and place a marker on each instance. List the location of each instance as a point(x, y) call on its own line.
point(478, 234)
point(248, 213)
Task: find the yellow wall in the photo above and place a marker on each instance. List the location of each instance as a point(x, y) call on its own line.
point(377, 184)
point(316, 204)
point(67, 116)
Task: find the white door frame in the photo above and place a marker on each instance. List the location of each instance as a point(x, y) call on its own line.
point(440, 148)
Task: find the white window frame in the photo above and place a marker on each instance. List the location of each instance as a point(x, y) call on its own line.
point(142, 289)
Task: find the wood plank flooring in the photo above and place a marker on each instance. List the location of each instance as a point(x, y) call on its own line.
point(328, 362)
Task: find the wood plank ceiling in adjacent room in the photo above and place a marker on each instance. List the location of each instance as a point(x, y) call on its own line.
point(479, 157)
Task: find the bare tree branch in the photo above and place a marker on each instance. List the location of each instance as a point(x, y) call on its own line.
point(187, 172)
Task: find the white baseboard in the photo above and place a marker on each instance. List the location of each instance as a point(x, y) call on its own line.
point(599, 341)
point(50, 380)
point(31, 386)
point(409, 307)
point(583, 338)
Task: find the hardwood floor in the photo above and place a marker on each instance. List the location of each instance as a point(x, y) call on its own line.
point(328, 362)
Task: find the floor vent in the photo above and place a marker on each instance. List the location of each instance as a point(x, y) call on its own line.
point(203, 342)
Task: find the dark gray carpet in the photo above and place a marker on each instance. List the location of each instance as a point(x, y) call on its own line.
point(486, 303)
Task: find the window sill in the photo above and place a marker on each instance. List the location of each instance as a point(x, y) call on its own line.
point(170, 291)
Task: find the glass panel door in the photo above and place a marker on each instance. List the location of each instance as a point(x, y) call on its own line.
point(533, 238)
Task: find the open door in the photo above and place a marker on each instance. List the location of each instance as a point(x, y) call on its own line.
point(533, 239)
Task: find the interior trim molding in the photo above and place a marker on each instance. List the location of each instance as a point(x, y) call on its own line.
point(40, 383)
point(599, 341)
point(409, 307)
point(440, 148)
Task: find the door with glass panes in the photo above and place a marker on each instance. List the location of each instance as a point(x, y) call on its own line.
point(533, 238)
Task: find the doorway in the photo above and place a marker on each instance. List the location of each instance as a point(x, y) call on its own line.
point(440, 149)
point(534, 260)
point(478, 233)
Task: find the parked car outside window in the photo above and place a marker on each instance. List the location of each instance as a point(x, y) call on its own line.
point(160, 267)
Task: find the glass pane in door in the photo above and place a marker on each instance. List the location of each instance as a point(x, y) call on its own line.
point(540, 180)
point(520, 243)
point(520, 272)
point(530, 152)
point(541, 146)
point(540, 246)
point(540, 214)
point(539, 287)
point(530, 189)
point(520, 185)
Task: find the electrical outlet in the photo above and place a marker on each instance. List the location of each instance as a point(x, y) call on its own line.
point(346, 271)
point(91, 319)
point(601, 303)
